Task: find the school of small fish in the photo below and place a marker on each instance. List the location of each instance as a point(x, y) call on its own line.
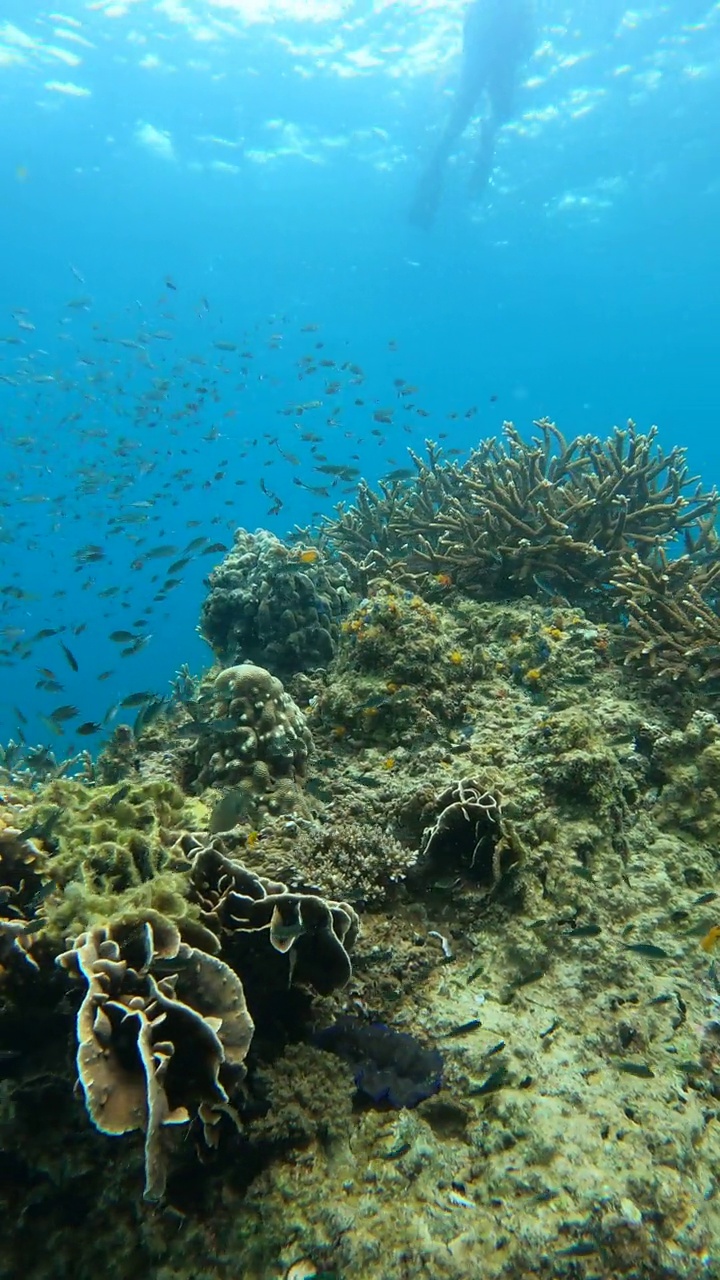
point(126, 463)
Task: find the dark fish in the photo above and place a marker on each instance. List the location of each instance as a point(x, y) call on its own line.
point(464, 1028)
point(147, 714)
point(704, 898)
point(60, 714)
point(584, 931)
point(159, 553)
point(333, 469)
point(495, 1048)
point(71, 659)
point(494, 1082)
point(401, 1150)
point(194, 728)
point(121, 637)
point(89, 727)
point(41, 829)
point(119, 795)
point(581, 1249)
point(228, 811)
point(137, 699)
point(135, 647)
point(549, 1030)
point(648, 949)
point(214, 549)
point(639, 1069)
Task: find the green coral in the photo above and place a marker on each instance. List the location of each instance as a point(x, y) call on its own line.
point(109, 848)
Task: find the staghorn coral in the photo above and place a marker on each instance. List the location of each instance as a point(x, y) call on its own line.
point(275, 604)
point(545, 516)
point(163, 1031)
point(673, 618)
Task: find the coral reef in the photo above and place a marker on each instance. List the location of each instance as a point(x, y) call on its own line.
point(400, 665)
point(315, 935)
point(469, 835)
point(525, 824)
point(277, 605)
point(22, 871)
point(673, 620)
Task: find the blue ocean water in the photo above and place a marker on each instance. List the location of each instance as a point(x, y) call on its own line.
point(203, 201)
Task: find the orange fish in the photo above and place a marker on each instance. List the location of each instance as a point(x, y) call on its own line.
point(711, 939)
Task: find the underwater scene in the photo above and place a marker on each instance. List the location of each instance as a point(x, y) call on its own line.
point(359, 640)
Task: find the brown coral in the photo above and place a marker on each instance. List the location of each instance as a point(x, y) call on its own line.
point(316, 935)
point(163, 1031)
point(527, 516)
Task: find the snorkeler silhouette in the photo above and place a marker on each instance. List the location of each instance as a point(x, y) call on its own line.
point(498, 36)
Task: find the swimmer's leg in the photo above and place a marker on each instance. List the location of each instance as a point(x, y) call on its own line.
point(501, 98)
point(429, 188)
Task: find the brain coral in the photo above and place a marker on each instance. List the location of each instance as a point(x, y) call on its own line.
point(275, 604)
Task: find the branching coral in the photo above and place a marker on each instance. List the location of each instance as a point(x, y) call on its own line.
point(538, 516)
point(673, 619)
